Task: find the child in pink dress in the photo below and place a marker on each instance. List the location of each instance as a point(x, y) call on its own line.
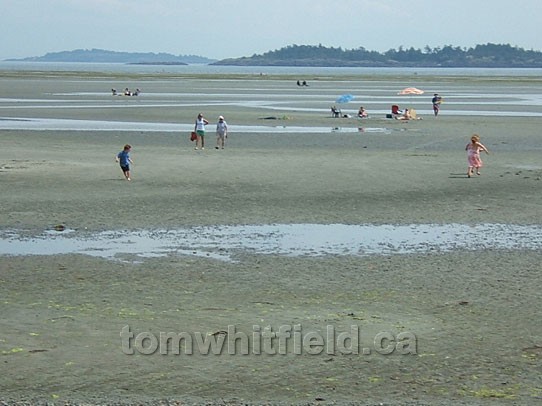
point(473, 149)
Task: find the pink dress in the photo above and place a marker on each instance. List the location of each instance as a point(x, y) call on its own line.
point(473, 156)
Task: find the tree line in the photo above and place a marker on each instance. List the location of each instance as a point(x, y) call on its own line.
point(484, 56)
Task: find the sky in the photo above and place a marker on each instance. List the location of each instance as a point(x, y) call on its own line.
point(220, 29)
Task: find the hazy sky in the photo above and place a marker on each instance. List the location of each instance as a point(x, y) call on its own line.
point(221, 29)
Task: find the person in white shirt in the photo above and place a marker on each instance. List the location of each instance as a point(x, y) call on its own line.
point(221, 132)
point(199, 128)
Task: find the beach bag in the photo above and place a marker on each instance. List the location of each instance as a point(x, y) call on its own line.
point(193, 136)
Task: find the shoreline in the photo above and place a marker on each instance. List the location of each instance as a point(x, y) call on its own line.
point(210, 70)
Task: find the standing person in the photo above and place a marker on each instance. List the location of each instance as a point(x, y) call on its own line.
point(473, 149)
point(221, 132)
point(199, 128)
point(436, 100)
point(123, 157)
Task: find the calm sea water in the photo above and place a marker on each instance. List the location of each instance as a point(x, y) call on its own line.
point(275, 70)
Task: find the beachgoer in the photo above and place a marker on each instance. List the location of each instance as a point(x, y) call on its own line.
point(123, 157)
point(436, 100)
point(199, 128)
point(405, 116)
point(362, 113)
point(473, 149)
point(396, 111)
point(221, 132)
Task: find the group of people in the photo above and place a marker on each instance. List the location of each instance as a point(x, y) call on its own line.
point(336, 112)
point(473, 148)
point(123, 157)
point(127, 92)
point(396, 112)
point(410, 114)
point(221, 132)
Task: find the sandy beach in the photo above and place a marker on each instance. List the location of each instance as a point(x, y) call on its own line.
point(457, 327)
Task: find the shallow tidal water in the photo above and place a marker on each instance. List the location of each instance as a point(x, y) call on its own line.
point(228, 242)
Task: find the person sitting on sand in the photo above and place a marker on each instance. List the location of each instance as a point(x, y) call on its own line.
point(362, 113)
point(396, 111)
point(405, 116)
point(409, 114)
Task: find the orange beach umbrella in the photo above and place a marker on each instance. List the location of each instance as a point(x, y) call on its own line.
point(411, 90)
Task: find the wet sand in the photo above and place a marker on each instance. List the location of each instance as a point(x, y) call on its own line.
point(473, 312)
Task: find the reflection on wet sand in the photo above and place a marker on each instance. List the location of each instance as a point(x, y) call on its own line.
point(42, 124)
point(227, 242)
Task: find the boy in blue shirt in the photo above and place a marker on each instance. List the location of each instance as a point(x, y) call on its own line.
point(123, 157)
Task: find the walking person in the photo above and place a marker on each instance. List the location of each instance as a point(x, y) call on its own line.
point(473, 149)
point(221, 132)
point(123, 157)
point(436, 100)
point(199, 128)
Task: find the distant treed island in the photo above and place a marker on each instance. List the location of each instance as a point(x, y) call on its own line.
point(104, 56)
point(480, 56)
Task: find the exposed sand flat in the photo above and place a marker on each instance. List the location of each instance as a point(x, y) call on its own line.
point(473, 308)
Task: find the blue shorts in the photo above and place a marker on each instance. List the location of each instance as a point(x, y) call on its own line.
point(125, 168)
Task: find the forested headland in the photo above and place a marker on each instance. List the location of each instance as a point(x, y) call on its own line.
point(480, 56)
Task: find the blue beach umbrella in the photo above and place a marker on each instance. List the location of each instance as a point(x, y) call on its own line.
point(345, 98)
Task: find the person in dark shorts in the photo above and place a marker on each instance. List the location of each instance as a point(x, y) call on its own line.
point(123, 158)
point(436, 101)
